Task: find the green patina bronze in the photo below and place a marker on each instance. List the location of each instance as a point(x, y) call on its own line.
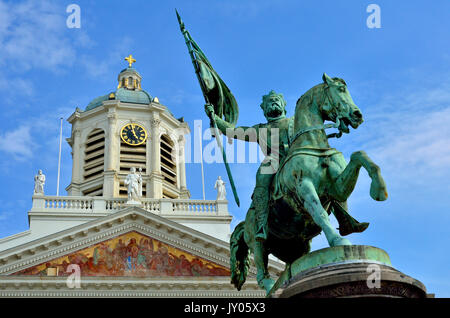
point(215, 92)
point(312, 181)
point(338, 254)
point(302, 180)
point(333, 256)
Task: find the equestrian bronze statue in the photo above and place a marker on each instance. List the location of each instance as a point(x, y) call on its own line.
point(301, 181)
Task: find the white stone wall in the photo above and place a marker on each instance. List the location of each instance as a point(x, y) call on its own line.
point(51, 214)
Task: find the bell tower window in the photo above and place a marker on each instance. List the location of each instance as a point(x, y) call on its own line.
point(168, 164)
point(94, 160)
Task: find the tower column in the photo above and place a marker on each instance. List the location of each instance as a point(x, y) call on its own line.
point(111, 142)
point(111, 182)
point(154, 187)
point(182, 168)
point(74, 188)
point(76, 173)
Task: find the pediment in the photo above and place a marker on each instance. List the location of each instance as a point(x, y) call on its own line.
point(132, 254)
point(131, 242)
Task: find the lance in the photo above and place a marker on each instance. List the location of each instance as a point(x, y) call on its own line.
point(212, 121)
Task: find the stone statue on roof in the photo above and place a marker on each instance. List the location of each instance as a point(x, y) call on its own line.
point(220, 186)
point(39, 182)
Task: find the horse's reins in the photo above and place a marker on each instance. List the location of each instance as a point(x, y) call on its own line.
point(320, 127)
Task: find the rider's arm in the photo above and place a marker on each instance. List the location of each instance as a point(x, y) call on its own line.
point(242, 132)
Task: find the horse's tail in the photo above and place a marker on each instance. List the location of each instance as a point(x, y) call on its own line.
point(239, 259)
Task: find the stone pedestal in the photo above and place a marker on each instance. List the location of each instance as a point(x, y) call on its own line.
point(346, 271)
point(133, 203)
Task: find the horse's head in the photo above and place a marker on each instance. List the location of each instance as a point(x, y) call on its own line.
point(339, 105)
point(273, 105)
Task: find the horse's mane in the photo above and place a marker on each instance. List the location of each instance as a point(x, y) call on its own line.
point(307, 97)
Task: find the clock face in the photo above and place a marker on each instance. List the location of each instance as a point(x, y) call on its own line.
point(133, 134)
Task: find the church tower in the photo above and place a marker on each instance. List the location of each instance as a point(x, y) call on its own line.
point(116, 132)
point(124, 129)
point(163, 244)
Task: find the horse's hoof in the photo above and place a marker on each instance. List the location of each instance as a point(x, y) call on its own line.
point(379, 195)
point(338, 241)
point(378, 190)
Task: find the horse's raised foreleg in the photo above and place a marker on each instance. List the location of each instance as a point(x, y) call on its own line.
point(311, 202)
point(346, 181)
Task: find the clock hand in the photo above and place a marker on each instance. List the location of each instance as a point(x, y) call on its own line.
point(134, 133)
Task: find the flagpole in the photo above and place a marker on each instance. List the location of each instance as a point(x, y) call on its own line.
point(213, 123)
point(201, 160)
point(59, 158)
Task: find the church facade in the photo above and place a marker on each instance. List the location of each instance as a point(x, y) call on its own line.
point(96, 242)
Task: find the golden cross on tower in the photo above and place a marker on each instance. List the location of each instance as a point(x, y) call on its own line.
point(130, 60)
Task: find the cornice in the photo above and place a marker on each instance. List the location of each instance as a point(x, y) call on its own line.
point(15, 236)
point(92, 112)
point(13, 286)
point(133, 106)
point(74, 116)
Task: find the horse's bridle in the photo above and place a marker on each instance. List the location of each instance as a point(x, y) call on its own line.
point(321, 127)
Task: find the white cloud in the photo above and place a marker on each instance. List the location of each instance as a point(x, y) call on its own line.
point(33, 34)
point(421, 144)
point(18, 143)
point(175, 96)
point(17, 86)
point(32, 134)
point(406, 132)
point(106, 66)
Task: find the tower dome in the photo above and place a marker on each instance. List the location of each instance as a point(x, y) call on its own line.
point(129, 89)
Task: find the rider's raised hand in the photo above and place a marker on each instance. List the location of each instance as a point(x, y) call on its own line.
point(209, 109)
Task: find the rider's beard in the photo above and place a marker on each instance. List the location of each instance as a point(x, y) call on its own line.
point(274, 111)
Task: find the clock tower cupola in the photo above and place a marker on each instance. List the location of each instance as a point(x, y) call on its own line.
point(123, 129)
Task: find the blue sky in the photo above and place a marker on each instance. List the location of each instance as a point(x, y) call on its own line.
point(398, 75)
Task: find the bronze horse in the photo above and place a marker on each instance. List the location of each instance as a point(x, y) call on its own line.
point(312, 181)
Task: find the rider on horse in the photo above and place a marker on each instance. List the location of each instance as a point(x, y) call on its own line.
point(274, 139)
point(273, 105)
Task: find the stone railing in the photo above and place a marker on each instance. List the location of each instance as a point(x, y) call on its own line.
point(195, 206)
point(59, 203)
point(165, 207)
